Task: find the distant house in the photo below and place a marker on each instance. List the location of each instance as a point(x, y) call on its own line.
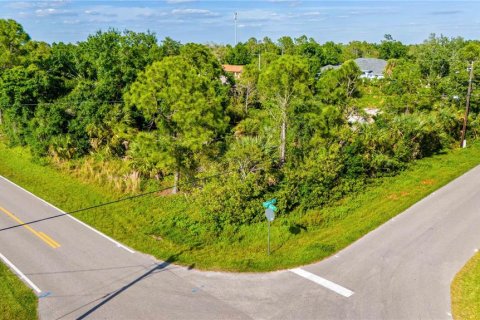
point(235, 69)
point(367, 116)
point(329, 67)
point(371, 68)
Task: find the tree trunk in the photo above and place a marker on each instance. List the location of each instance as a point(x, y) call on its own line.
point(283, 138)
point(175, 182)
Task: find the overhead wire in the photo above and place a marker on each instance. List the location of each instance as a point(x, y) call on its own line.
point(118, 200)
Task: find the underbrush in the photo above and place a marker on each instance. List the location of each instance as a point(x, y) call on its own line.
point(115, 174)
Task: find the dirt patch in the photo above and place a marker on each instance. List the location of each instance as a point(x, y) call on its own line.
point(393, 196)
point(428, 182)
point(396, 196)
point(158, 238)
point(164, 193)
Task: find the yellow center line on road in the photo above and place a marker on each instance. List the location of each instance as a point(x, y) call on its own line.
point(52, 243)
point(50, 240)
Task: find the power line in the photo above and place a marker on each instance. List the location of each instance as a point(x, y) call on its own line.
point(235, 18)
point(118, 200)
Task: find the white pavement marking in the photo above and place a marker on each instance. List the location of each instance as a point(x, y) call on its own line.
point(63, 212)
point(20, 273)
point(323, 282)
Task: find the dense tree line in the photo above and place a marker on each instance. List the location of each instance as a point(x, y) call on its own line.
point(283, 129)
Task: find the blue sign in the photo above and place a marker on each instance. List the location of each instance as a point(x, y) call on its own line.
point(270, 204)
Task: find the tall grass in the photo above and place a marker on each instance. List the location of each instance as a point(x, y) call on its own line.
point(115, 174)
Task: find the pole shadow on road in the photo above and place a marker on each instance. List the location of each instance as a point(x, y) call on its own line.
point(114, 294)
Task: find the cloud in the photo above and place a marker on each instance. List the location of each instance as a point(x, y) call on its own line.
point(446, 13)
point(313, 14)
point(20, 5)
point(251, 25)
point(179, 1)
point(289, 2)
point(44, 8)
point(92, 12)
point(46, 12)
point(195, 12)
point(50, 3)
point(53, 12)
point(266, 17)
point(71, 21)
point(259, 15)
point(115, 14)
point(36, 4)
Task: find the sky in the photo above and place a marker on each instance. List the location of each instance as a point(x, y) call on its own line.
point(213, 21)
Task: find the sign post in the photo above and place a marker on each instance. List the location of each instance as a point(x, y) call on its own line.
point(270, 215)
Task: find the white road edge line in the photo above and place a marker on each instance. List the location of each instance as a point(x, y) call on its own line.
point(81, 222)
point(20, 273)
point(323, 282)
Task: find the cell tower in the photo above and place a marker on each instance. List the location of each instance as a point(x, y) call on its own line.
point(235, 19)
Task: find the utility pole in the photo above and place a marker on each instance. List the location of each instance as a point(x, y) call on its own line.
point(463, 142)
point(235, 18)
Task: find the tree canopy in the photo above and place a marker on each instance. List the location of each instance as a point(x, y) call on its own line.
point(184, 102)
point(299, 123)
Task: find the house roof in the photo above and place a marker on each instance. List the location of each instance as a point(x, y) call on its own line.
point(232, 68)
point(376, 66)
point(329, 67)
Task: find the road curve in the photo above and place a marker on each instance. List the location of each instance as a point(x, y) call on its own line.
point(402, 270)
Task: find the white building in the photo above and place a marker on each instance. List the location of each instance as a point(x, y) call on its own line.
point(371, 68)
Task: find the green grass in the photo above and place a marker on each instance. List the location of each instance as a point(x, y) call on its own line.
point(466, 291)
point(17, 301)
point(157, 224)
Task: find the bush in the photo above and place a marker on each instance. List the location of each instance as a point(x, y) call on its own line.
point(232, 200)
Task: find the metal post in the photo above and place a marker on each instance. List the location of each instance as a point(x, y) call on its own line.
point(268, 237)
point(467, 108)
point(235, 28)
point(270, 215)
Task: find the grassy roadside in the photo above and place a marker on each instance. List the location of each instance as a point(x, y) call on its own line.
point(146, 223)
point(17, 301)
point(466, 291)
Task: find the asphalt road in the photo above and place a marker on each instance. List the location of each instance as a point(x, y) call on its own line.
point(402, 270)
